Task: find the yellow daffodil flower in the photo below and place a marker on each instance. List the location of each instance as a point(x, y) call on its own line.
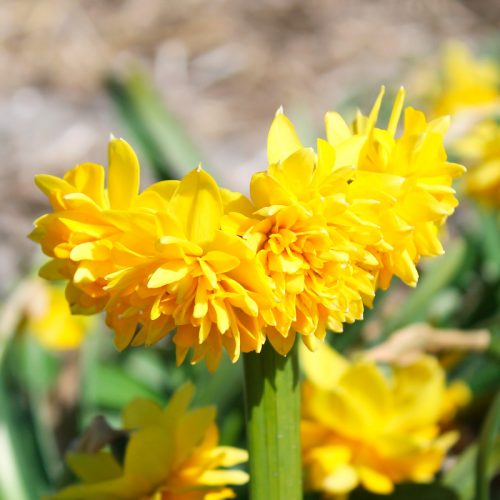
point(86, 220)
point(309, 241)
point(325, 229)
point(154, 261)
point(185, 273)
point(330, 227)
point(403, 184)
point(465, 82)
point(480, 147)
point(172, 454)
point(365, 426)
point(49, 318)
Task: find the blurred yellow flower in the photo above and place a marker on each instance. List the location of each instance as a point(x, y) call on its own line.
point(480, 148)
point(172, 454)
point(402, 185)
point(50, 321)
point(364, 425)
point(154, 261)
point(465, 83)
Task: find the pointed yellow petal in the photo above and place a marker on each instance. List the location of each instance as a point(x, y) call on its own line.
point(324, 367)
point(236, 202)
point(396, 112)
point(337, 130)
point(142, 413)
point(223, 477)
point(179, 402)
point(282, 345)
point(372, 118)
point(375, 481)
point(232, 456)
point(326, 161)
point(149, 456)
point(54, 188)
point(94, 467)
point(282, 140)
point(165, 189)
point(123, 176)
point(197, 205)
point(191, 431)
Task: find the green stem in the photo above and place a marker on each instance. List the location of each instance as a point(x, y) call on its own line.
point(273, 424)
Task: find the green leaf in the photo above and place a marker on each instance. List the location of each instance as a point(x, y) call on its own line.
point(488, 441)
point(462, 476)
point(437, 277)
point(157, 132)
point(490, 230)
point(110, 386)
point(480, 372)
point(37, 369)
point(22, 473)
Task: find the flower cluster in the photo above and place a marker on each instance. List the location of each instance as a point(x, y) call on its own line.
point(172, 453)
point(362, 425)
point(323, 230)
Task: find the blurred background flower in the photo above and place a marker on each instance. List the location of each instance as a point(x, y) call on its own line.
point(375, 426)
point(184, 88)
point(50, 320)
point(165, 453)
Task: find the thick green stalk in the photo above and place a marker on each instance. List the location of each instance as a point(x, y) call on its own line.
point(273, 419)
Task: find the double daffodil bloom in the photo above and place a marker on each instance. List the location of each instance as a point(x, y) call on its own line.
point(403, 184)
point(154, 261)
point(182, 271)
point(308, 239)
point(86, 220)
point(332, 226)
point(367, 426)
point(172, 454)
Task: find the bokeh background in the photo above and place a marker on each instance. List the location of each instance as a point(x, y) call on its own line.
point(189, 81)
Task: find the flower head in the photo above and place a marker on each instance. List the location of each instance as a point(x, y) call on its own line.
point(154, 261)
point(49, 318)
point(403, 183)
point(465, 82)
point(362, 425)
point(182, 271)
point(172, 454)
point(308, 240)
point(86, 220)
